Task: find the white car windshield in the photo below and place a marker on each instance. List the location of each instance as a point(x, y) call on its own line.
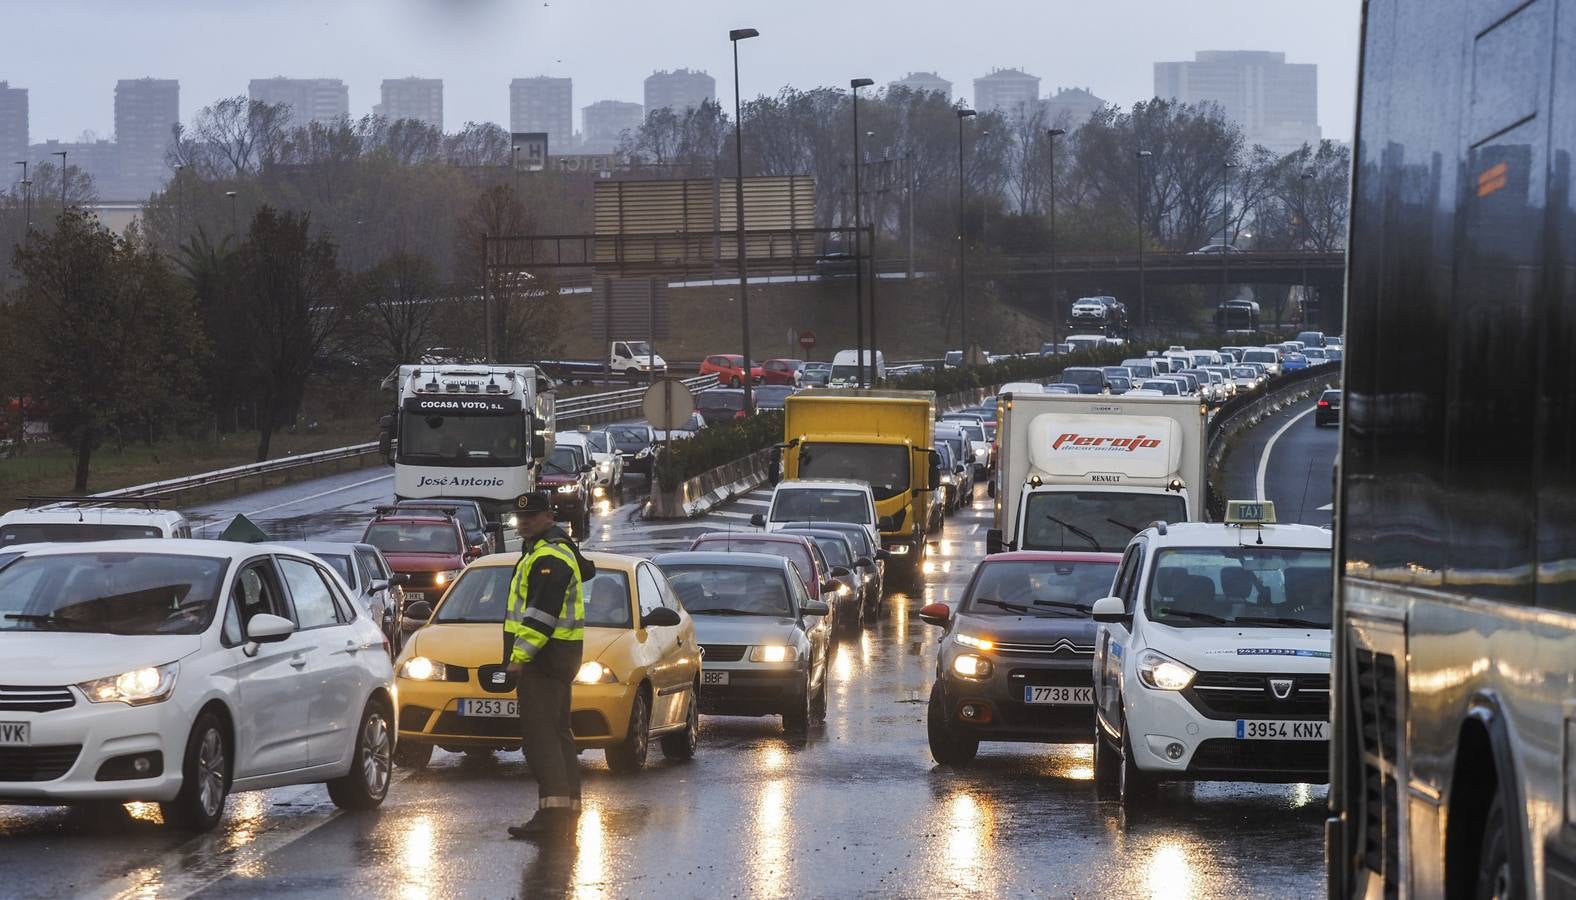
point(1257, 586)
point(111, 593)
point(821, 504)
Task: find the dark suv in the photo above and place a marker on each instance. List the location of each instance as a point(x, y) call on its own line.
point(1328, 412)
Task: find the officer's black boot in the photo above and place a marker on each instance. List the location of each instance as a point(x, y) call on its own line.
point(546, 825)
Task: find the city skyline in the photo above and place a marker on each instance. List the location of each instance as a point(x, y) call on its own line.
point(477, 48)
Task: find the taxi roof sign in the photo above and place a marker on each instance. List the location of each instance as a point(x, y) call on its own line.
point(1250, 512)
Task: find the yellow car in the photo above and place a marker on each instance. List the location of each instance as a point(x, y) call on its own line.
point(639, 679)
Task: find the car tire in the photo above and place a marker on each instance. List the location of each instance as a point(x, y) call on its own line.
point(1134, 785)
point(408, 755)
point(205, 778)
point(629, 755)
point(734, 382)
point(796, 718)
point(818, 705)
point(1497, 876)
point(1107, 765)
point(681, 745)
point(371, 764)
point(946, 747)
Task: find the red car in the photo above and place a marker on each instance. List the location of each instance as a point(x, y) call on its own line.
point(782, 371)
point(426, 546)
point(729, 369)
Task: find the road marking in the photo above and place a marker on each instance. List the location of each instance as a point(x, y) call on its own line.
point(1328, 507)
point(1264, 461)
point(317, 496)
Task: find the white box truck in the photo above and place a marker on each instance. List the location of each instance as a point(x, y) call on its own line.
point(1078, 472)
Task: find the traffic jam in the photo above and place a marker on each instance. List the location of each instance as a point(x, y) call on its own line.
point(145, 666)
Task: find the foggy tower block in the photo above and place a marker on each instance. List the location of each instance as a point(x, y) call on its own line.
point(146, 112)
point(1007, 91)
point(679, 90)
point(13, 130)
point(1075, 104)
point(544, 104)
point(925, 81)
point(420, 99)
point(1275, 102)
point(604, 122)
point(321, 100)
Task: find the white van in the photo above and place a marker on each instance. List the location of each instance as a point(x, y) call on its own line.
point(63, 520)
point(845, 368)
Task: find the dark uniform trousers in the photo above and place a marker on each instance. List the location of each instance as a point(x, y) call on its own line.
point(544, 691)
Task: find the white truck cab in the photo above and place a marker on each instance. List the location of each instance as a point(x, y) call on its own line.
point(1212, 655)
point(635, 360)
point(75, 519)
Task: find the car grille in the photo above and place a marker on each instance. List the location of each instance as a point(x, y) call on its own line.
point(413, 717)
point(1081, 677)
point(477, 726)
point(424, 583)
point(35, 699)
point(1062, 647)
point(1231, 756)
point(37, 763)
point(1231, 695)
point(723, 652)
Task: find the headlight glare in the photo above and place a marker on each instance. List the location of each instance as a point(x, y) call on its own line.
point(969, 640)
point(593, 672)
point(1161, 672)
point(138, 687)
point(420, 668)
point(568, 488)
point(970, 666)
point(773, 653)
point(442, 578)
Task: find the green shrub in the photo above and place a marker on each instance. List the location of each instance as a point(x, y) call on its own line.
point(718, 445)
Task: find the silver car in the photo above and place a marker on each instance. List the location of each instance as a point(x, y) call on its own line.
point(377, 587)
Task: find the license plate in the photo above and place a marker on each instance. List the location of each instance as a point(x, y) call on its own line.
point(713, 678)
point(412, 596)
point(491, 709)
point(1058, 696)
point(1254, 730)
point(14, 734)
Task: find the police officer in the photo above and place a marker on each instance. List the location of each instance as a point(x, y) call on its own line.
point(543, 633)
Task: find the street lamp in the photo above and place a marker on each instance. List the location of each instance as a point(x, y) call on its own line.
point(27, 202)
point(235, 230)
point(1225, 232)
point(859, 239)
point(62, 155)
point(963, 299)
point(1143, 201)
point(737, 35)
point(1302, 248)
point(514, 163)
point(1051, 137)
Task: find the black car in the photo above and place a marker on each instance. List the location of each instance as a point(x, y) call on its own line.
point(1089, 381)
point(869, 560)
point(720, 405)
point(1328, 412)
point(634, 444)
point(1017, 654)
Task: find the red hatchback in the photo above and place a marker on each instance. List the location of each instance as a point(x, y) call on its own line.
point(729, 369)
point(820, 580)
point(425, 546)
point(782, 371)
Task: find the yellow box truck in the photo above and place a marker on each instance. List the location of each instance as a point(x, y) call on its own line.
point(876, 436)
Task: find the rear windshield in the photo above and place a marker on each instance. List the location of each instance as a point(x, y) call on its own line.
point(72, 533)
point(720, 400)
point(1084, 377)
point(416, 537)
point(1263, 356)
point(794, 551)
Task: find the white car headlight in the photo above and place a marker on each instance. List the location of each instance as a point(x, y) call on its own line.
point(1163, 673)
point(511, 520)
point(593, 672)
point(568, 488)
point(420, 668)
point(773, 653)
point(843, 590)
point(969, 640)
point(970, 666)
point(605, 466)
point(139, 687)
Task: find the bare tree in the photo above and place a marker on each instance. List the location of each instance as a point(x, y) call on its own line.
point(484, 144)
point(400, 300)
point(232, 138)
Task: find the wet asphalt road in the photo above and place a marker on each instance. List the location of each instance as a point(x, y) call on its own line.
point(855, 808)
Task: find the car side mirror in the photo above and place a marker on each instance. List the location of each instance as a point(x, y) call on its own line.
point(815, 608)
point(934, 471)
point(840, 572)
point(378, 586)
point(886, 524)
point(829, 586)
point(399, 579)
point(883, 554)
point(588, 467)
point(661, 617)
point(420, 610)
point(265, 628)
point(1111, 611)
point(993, 542)
point(937, 614)
point(865, 562)
point(476, 552)
point(538, 446)
point(758, 520)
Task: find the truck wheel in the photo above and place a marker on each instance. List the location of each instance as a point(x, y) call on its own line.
point(1497, 878)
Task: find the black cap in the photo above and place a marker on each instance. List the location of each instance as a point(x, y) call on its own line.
point(533, 502)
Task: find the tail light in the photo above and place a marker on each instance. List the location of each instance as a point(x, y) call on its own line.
point(1324, 404)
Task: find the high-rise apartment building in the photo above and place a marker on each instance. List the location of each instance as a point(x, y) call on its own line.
point(925, 81)
point(1275, 102)
point(1070, 108)
point(146, 113)
point(99, 160)
point(604, 122)
point(13, 131)
point(544, 104)
point(321, 100)
point(679, 90)
point(1007, 91)
point(412, 98)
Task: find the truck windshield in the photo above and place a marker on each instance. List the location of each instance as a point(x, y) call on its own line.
point(1269, 587)
point(461, 440)
point(885, 466)
point(639, 348)
point(1094, 520)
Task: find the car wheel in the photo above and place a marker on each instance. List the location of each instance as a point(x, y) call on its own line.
point(681, 745)
point(1134, 785)
point(733, 382)
point(946, 747)
point(205, 778)
point(1497, 878)
point(797, 717)
point(1107, 765)
point(412, 756)
point(629, 755)
point(367, 782)
point(818, 705)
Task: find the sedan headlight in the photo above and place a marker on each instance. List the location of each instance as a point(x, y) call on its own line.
point(947, 478)
point(568, 488)
point(843, 590)
point(139, 687)
point(970, 666)
point(1163, 673)
point(643, 453)
point(773, 653)
point(420, 668)
point(443, 578)
point(594, 672)
point(969, 640)
point(511, 520)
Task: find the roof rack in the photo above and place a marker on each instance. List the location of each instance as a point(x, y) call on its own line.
point(43, 500)
point(393, 510)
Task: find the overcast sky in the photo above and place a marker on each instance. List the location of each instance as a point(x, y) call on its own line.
point(69, 53)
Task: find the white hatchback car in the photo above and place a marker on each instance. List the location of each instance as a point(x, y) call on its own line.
point(177, 671)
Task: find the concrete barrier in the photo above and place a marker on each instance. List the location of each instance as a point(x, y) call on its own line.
point(710, 489)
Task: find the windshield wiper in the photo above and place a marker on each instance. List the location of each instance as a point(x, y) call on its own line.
point(1279, 620)
point(1121, 524)
point(1010, 607)
point(724, 611)
point(1075, 530)
point(1196, 616)
point(468, 621)
point(1063, 604)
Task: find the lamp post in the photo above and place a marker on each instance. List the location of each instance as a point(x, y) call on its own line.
point(27, 202)
point(62, 155)
point(963, 298)
point(1225, 232)
point(235, 230)
point(737, 35)
point(908, 171)
point(1143, 202)
point(1051, 137)
point(514, 163)
point(1302, 248)
point(859, 244)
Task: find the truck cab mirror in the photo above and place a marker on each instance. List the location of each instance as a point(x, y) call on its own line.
point(758, 520)
point(774, 464)
point(886, 524)
point(934, 471)
point(993, 542)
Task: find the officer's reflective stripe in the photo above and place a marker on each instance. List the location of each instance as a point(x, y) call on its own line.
point(545, 618)
point(556, 803)
point(530, 628)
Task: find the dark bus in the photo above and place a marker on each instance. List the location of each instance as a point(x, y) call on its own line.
point(1237, 316)
point(1454, 758)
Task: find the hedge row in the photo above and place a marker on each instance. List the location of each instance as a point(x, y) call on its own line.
point(717, 445)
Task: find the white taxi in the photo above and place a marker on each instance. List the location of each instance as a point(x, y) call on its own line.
point(1212, 658)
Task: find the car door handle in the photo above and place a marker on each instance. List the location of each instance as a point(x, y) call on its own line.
point(352, 647)
point(298, 661)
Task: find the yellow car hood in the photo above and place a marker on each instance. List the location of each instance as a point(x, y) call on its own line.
point(473, 645)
